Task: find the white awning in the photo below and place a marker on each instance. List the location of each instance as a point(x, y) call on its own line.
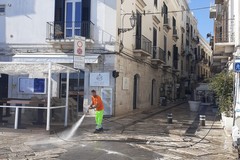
point(38, 70)
point(53, 57)
point(33, 69)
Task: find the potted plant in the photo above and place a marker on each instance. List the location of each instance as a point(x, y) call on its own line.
point(222, 85)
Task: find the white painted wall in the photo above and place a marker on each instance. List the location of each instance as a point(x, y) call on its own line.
point(103, 15)
point(25, 21)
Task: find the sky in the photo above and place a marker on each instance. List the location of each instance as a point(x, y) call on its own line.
point(205, 24)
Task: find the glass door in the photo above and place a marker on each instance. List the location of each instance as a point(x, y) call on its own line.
point(73, 18)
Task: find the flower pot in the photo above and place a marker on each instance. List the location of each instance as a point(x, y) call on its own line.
point(194, 105)
point(227, 122)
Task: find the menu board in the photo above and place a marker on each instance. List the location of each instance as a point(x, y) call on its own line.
point(32, 85)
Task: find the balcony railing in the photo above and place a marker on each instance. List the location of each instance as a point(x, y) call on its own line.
point(67, 30)
point(143, 43)
point(219, 1)
point(195, 39)
point(213, 11)
point(158, 54)
point(166, 21)
point(221, 38)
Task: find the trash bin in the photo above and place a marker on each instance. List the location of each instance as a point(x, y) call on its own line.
point(163, 101)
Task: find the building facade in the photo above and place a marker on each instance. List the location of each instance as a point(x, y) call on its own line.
point(155, 57)
point(226, 53)
point(223, 40)
point(204, 60)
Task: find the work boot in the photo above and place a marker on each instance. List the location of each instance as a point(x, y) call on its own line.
point(101, 129)
point(97, 131)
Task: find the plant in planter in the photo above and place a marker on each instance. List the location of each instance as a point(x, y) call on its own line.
point(222, 85)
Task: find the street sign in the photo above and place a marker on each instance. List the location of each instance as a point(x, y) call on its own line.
point(79, 46)
point(237, 67)
point(79, 53)
point(79, 62)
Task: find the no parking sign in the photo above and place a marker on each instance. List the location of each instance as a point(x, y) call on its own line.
point(79, 53)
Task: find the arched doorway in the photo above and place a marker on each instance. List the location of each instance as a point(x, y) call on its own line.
point(153, 92)
point(135, 90)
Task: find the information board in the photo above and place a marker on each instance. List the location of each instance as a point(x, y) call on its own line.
point(99, 79)
point(32, 85)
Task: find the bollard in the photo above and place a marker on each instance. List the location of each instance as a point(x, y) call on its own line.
point(170, 118)
point(202, 119)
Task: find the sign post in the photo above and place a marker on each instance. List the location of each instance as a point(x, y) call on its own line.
point(79, 53)
point(79, 59)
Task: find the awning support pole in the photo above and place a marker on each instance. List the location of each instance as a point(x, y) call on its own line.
point(67, 94)
point(16, 118)
point(49, 96)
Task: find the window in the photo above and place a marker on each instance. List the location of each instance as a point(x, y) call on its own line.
point(181, 65)
point(2, 10)
point(165, 48)
point(154, 37)
point(154, 42)
point(174, 22)
point(164, 9)
point(156, 3)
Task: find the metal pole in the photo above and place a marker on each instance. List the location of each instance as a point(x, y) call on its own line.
point(78, 90)
point(67, 94)
point(16, 118)
point(49, 96)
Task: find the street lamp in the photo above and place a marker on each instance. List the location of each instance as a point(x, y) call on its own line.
point(133, 20)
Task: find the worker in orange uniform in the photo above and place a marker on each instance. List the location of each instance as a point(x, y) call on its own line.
point(98, 105)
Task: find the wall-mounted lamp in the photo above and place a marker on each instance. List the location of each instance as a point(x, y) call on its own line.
point(133, 20)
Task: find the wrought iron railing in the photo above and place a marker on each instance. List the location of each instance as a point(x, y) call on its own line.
point(224, 38)
point(158, 53)
point(144, 44)
point(225, 31)
point(166, 20)
point(67, 30)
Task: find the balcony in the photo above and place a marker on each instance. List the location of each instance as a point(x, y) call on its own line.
point(158, 56)
point(175, 34)
point(195, 39)
point(213, 11)
point(166, 22)
point(143, 47)
point(182, 53)
point(224, 42)
point(62, 32)
point(219, 1)
point(205, 61)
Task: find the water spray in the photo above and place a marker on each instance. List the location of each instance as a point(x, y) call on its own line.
point(70, 133)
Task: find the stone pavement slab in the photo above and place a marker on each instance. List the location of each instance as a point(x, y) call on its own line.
point(144, 135)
